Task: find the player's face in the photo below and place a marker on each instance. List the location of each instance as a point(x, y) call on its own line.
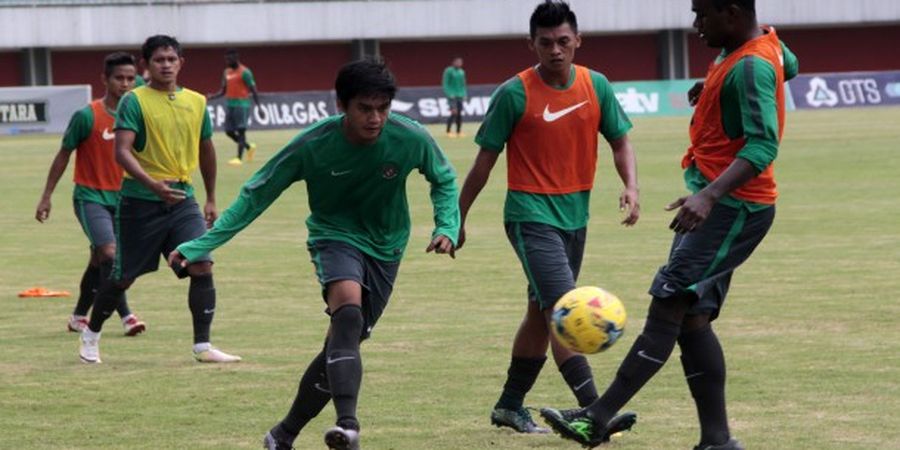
point(458, 62)
point(231, 60)
point(164, 66)
point(714, 26)
point(365, 118)
point(120, 81)
point(555, 47)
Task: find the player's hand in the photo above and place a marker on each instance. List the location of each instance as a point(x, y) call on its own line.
point(462, 237)
point(210, 213)
point(43, 210)
point(694, 93)
point(441, 244)
point(165, 192)
point(177, 260)
point(630, 204)
point(692, 211)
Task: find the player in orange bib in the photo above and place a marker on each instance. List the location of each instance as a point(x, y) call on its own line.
point(97, 180)
point(735, 134)
point(238, 85)
point(548, 117)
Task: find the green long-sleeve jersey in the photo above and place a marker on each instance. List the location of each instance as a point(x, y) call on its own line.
point(357, 194)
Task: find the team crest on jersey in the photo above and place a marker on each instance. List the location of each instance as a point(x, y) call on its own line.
point(389, 171)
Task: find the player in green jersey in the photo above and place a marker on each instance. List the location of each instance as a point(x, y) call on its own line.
point(238, 85)
point(97, 182)
point(355, 166)
point(548, 119)
point(163, 134)
point(735, 134)
point(454, 84)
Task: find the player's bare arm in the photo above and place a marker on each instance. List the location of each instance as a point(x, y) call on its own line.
point(475, 181)
point(695, 208)
point(57, 168)
point(124, 144)
point(208, 171)
point(626, 166)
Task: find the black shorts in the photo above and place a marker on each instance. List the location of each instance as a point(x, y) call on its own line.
point(456, 103)
point(702, 261)
point(550, 256)
point(236, 118)
point(337, 260)
point(146, 230)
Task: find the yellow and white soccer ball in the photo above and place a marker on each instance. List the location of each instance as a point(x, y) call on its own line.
point(588, 319)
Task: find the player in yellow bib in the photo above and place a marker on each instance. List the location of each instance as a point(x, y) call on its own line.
point(163, 133)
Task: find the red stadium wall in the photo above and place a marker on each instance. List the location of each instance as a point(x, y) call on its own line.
point(823, 49)
point(10, 72)
point(421, 63)
point(276, 68)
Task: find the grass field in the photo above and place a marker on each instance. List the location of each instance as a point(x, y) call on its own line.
point(810, 329)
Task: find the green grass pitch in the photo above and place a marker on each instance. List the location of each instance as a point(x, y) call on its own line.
point(810, 327)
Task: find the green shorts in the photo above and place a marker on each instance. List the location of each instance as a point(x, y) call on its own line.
point(550, 256)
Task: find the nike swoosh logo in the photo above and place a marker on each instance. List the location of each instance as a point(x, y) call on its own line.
point(554, 116)
point(321, 389)
point(337, 174)
point(107, 135)
point(668, 288)
point(585, 383)
point(650, 358)
point(209, 311)
point(342, 358)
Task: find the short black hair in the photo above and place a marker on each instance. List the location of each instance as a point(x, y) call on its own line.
point(159, 41)
point(746, 5)
point(231, 51)
point(113, 60)
point(364, 78)
point(551, 14)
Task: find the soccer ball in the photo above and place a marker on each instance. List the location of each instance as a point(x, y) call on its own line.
point(588, 319)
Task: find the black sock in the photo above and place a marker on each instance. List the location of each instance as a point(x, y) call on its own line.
point(103, 271)
point(242, 143)
point(648, 354)
point(449, 122)
point(520, 378)
point(312, 396)
point(343, 364)
point(123, 309)
point(109, 294)
point(704, 370)
point(202, 303)
point(577, 373)
point(90, 281)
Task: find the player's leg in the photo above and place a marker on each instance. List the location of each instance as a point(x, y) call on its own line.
point(184, 223)
point(714, 248)
point(140, 232)
point(313, 395)
point(452, 102)
point(90, 279)
point(232, 126)
point(542, 251)
point(574, 367)
point(458, 116)
point(701, 353)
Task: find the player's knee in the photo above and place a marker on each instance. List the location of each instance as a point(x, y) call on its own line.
point(200, 269)
point(105, 253)
point(694, 323)
point(346, 322)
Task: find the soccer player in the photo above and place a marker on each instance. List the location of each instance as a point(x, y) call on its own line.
point(735, 133)
point(355, 165)
point(97, 181)
point(237, 87)
point(548, 117)
point(454, 83)
point(162, 133)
